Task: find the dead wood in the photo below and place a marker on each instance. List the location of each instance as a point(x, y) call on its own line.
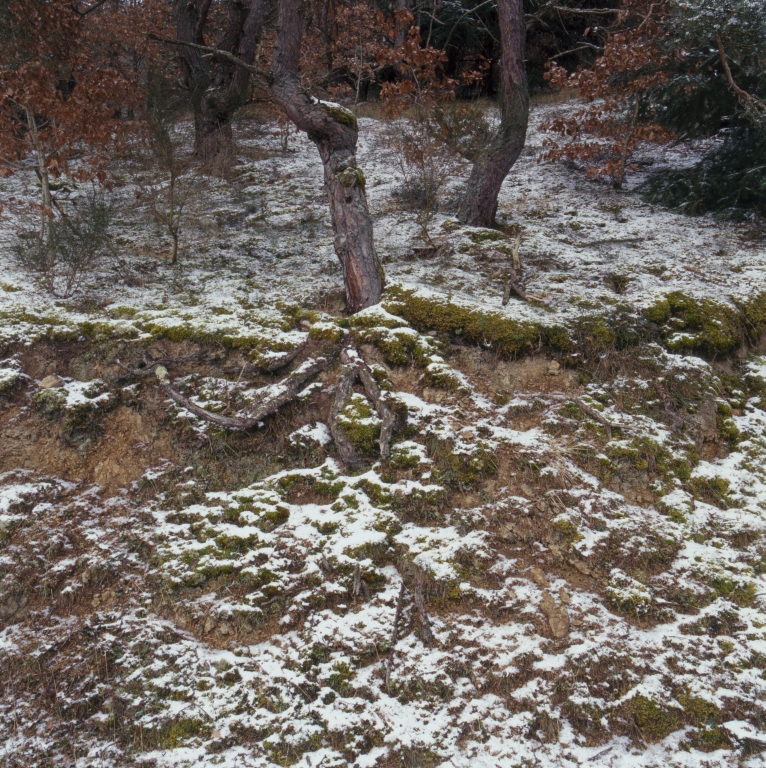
point(394, 637)
point(348, 375)
point(599, 417)
point(387, 417)
point(271, 365)
point(357, 580)
point(428, 635)
point(273, 398)
point(151, 362)
point(670, 409)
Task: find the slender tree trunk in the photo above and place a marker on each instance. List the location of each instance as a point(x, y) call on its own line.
point(492, 165)
point(218, 87)
point(42, 170)
point(334, 131)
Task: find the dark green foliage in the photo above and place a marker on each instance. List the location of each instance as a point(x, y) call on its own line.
point(731, 179)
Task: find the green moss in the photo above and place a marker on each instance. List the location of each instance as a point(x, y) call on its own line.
point(339, 679)
point(480, 236)
point(711, 489)
point(450, 225)
point(697, 325)
point(339, 114)
point(49, 401)
point(754, 312)
point(565, 532)
point(403, 457)
point(360, 423)
point(740, 593)
point(441, 376)
point(659, 312)
point(176, 733)
point(9, 379)
point(653, 720)
point(506, 336)
point(461, 470)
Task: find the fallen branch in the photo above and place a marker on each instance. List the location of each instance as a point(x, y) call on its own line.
point(599, 417)
point(394, 638)
point(283, 392)
point(151, 363)
point(428, 635)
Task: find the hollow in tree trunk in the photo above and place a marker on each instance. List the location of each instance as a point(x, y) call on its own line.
point(493, 163)
point(333, 129)
point(218, 87)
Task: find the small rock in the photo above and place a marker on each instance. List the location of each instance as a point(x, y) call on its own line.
point(51, 381)
point(224, 628)
point(209, 626)
point(558, 618)
point(554, 368)
point(564, 596)
point(216, 734)
point(305, 325)
point(537, 575)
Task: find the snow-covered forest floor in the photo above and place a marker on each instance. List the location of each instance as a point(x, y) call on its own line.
point(576, 489)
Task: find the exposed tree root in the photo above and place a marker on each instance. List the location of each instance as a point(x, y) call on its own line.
point(273, 399)
point(272, 364)
point(355, 368)
point(150, 363)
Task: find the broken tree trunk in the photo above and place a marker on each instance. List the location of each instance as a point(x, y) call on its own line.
point(218, 87)
point(333, 129)
point(493, 163)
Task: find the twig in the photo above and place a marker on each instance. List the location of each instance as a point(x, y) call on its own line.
point(744, 96)
point(428, 635)
point(670, 408)
point(357, 579)
point(151, 363)
point(394, 638)
point(230, 57)
point(600, 418)
point(513, 278)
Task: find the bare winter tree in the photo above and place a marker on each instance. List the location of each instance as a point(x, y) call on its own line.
point(334, 131)
point(217, 86)
point(493, 163)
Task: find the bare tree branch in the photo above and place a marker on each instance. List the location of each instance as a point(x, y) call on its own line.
point(230, 57)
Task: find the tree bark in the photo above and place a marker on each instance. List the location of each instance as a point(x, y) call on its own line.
point(42, 172)
point(218, 87)
point(334, 131)
point(492, 165)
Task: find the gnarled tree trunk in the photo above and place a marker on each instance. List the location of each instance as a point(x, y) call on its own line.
point(218, 87)
point(334, 131)
point(492, 165)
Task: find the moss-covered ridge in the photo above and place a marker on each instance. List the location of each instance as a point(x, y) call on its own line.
point(680, 322)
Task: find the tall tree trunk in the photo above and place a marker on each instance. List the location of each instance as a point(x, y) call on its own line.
point(334, 131)
point(218, 87)
point(492, 165)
